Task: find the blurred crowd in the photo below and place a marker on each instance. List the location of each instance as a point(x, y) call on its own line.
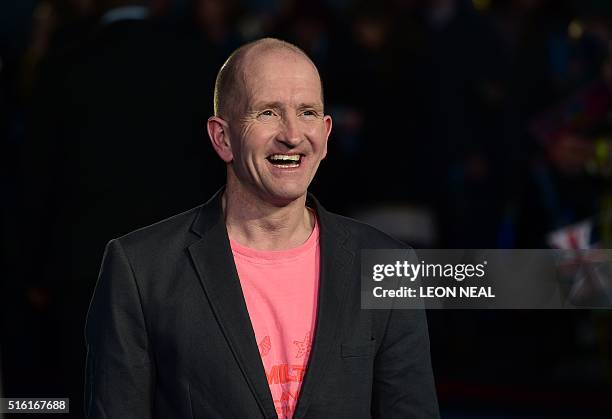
point(457, 124)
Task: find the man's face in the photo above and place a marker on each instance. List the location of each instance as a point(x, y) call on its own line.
point(280, 137)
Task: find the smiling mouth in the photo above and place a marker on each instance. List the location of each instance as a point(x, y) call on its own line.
point(285, 161)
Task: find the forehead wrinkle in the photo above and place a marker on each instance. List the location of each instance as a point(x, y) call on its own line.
point(248, 60)
point(296, 101)
point(267, 104)
point(228, 91)
point(315, 105)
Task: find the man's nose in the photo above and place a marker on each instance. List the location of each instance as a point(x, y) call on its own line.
point(290, 133)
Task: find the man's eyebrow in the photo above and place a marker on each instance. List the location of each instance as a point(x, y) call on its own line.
point(266, 105)
point(315, 106)
point(280, 105)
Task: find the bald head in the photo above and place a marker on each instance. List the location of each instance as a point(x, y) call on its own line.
point(230, 86)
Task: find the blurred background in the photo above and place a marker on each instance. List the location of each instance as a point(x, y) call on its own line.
point(457, 124)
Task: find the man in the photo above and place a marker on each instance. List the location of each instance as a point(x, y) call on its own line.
point(249, 306)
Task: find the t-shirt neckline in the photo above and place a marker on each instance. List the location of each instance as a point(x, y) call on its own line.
point(277, 255)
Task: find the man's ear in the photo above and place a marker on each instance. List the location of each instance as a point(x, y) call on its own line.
point(327, 126)
point(218, 131)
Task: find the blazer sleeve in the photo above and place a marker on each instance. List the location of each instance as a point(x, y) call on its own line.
point(120, 371)
point(403, 379)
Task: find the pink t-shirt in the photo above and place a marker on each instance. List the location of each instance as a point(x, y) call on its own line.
point(280, 289)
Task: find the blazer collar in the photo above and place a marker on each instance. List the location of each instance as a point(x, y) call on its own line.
point(211, 213)
point(215, 265)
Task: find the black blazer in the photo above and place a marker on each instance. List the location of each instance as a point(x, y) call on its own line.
point(169, 335)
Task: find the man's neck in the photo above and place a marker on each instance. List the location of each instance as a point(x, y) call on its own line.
point(259, 225)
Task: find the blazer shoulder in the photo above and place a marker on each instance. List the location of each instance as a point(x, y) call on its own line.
point(367, 236)
point(175, 230)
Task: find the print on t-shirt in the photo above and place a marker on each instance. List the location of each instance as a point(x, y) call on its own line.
point(264, 346)
point(280, 289)
point(285, 379)
point(303, 347)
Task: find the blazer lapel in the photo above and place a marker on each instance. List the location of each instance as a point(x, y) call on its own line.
point(337, 255)
point(214, 262)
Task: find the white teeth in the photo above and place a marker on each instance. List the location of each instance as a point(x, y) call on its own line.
point(284, 166)
point(292, 157)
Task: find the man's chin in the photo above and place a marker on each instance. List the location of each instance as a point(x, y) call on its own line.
point(284, 197)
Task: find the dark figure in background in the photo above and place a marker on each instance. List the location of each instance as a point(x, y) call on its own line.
point(115, 143)
point(215, 21)
point(464, 70)
point(560, 75)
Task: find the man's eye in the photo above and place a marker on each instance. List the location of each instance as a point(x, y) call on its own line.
point(266, 114)
point(309, 113)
